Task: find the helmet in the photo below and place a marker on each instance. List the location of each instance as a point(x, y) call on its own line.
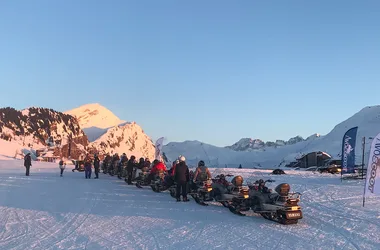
point(156, 161)
point(181, 158)
point(222, 177)
point(147, 159)
point(201, 163)
point(176, 161)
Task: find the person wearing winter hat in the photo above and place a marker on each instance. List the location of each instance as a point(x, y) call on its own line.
point(62, 166)
point(182, 177)
point(96, 166)
point(27, 163)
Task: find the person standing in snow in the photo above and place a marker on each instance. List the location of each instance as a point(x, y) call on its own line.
point(182, 177)
point(27, 163)
point(87, 167)
point(130, 166)
point(96, 166)
point(62, 166)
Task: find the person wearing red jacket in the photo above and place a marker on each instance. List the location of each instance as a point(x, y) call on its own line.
point(172, 169)
point(156, 168)
point(160, 166)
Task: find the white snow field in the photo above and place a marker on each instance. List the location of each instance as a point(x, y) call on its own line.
point(46, 211)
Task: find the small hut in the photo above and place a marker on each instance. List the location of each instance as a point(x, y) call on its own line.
point(313, 159)
point(49, 157)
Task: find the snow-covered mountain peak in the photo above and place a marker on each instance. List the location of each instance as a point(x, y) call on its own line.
point(95, 115)
point(127, 138)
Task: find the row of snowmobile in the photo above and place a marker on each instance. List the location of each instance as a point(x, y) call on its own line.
point(279, 205)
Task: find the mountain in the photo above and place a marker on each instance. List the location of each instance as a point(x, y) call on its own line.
point(367, 120)
point(94, 115)
point(42, 128)
point(126, 138)
point(50, 131)
point(107, 133)
point(249, 144)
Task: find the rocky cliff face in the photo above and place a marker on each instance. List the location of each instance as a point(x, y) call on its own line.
point(40, 127)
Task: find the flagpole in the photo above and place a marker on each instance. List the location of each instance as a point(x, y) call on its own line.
point(364, 193)
point(363, 143)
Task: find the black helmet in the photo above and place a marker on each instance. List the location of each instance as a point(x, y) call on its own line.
point(222, 176)
point(201, 163)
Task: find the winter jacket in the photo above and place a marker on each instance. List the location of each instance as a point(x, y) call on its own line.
point(130, 165)
point(147, 164)
point(107, 159)
point(173, 169)
point(157, 168)
point(96, 162)
point(202, 173)
point(87, 165)
point(27, 160)
point(181, 173)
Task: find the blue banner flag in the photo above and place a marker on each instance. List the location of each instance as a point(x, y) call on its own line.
point(348, 151)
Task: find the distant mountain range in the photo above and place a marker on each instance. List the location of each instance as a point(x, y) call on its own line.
point(249, 144)
point(94, 128)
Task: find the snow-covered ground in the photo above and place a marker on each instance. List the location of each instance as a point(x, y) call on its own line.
point(45, 211)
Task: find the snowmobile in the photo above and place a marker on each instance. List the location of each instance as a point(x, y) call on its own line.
point(104, 167)
point(173, 190)
point(280, 206)
point(157, 184)
point(122, 170)
point(235, 196)
point(79, 166)
point(201, 192)
point(142, 179)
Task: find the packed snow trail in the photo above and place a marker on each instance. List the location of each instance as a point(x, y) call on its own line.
point(46, 211)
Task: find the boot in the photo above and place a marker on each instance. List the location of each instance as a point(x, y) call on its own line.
point(178, 199)
point(185, 199)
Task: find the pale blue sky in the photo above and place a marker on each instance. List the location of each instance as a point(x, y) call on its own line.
point(210, 70)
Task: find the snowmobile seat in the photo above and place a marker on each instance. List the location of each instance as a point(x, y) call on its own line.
point(283, 189)
point(237, 181)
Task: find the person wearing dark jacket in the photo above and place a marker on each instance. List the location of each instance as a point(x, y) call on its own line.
point(182, 177)
point(27, 163)
point(87, 167)
point(96, 166)
point(130, 166)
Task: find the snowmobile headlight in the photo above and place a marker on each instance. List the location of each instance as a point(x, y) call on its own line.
point(246, 196)
point(295, 208)
point(209, 189)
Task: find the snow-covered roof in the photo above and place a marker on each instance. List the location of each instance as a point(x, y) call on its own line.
point(49, 154)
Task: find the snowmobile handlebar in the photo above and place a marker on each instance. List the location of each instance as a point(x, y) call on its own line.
point(257, 182)
point(225, 175)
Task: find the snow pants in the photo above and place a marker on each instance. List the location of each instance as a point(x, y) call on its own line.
point(129, 177)
point(27, 170)
point(97, 172)
point(182, 186)
point(87, 173)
